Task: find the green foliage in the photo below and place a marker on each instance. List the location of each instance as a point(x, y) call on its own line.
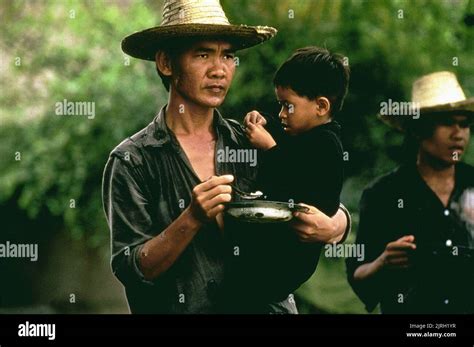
point(69, 51)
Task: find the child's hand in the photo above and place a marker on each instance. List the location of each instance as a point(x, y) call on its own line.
point(259, 137)
point(254, 117)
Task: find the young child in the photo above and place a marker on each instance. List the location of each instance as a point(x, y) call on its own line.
point(303, 163)
point(300, 161)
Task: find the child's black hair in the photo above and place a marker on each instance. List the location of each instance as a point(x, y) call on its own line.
point(314, 71)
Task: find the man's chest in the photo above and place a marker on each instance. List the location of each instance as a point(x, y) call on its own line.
point(201, 155)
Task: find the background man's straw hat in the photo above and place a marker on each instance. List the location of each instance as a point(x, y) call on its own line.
point(436, 93)
point(193, 18)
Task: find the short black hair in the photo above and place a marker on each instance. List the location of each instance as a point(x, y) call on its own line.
point(313, 72)
point(173, 50)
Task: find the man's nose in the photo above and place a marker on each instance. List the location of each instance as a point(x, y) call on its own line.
point(282, 114)
point(457, 132)
point(217, 68)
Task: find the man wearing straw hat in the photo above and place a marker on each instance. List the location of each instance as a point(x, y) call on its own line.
point(163, 188)
point(417, 222)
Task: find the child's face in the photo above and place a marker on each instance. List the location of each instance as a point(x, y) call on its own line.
point(298, 114)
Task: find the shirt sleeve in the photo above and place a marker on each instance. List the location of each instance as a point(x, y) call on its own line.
point(126, 208)
point(371, 223)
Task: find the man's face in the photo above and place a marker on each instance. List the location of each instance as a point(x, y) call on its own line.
point(297, 114)
point(449, 140)
point(204, 73)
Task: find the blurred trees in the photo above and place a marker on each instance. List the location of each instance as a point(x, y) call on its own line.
point(56, 50)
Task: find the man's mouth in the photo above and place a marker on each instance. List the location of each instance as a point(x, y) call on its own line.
point(456, 148)
point(216, 88)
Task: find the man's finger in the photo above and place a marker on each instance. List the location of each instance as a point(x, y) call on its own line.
point(300, 227)
point(401, 245)
point(407, 238)
point(396, 253)
point(398, 261)
point(213, 212)
point(300, 218)
point(213, 182)
point(220, 189)
point(312, 209)
point(217, 200)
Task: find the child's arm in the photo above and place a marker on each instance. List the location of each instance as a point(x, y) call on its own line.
point(258, 136)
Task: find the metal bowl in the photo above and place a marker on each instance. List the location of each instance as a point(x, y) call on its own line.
point(262, 211)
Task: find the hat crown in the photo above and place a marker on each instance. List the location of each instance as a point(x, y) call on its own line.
point(439, 88)
point(177, 12)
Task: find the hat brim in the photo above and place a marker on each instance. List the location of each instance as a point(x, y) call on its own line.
point(400, 122)
point(462, 106)
point(144, 44)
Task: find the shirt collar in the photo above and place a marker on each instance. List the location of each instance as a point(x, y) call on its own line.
point(158, 133)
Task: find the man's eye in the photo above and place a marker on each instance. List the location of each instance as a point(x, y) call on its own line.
point(203, 55)
point(229, 56)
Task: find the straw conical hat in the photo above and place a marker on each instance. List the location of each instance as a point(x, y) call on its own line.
point(436, 94)
point(193, 18)
point(440, 92)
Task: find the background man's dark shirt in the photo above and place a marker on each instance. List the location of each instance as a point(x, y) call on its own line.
point(399, 204)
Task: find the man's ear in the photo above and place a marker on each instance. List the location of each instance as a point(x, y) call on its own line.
point(323, 106)
point(163, 63)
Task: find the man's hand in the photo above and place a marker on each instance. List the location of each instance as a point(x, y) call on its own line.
point(315, 226)
point(254, 117)
point(208, 198)
point(396, 253)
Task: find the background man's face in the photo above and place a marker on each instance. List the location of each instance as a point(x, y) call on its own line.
point(449, 140)
point(204, 73)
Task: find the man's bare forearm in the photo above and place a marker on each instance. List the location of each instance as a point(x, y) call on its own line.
point(158, 254)
point(368, 270)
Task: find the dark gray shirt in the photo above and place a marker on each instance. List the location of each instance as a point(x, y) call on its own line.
point(441, 278)
point(147, 184)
